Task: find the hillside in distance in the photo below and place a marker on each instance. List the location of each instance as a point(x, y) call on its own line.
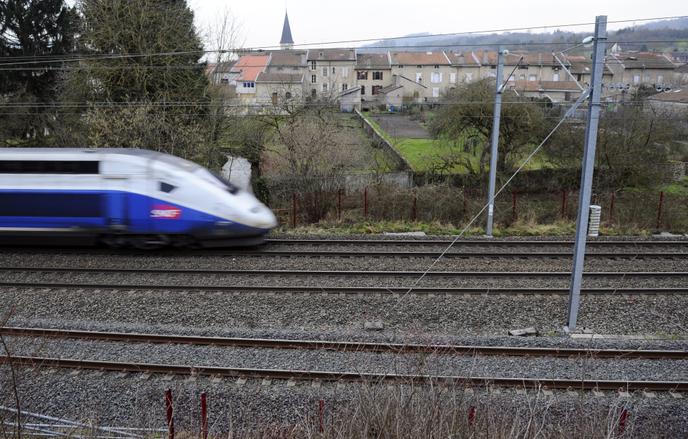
point(660, 36)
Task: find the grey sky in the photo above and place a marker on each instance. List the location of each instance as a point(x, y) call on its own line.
point(318, 21)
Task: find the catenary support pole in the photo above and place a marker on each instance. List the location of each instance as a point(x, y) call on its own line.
point(495, 142)
point(600, 40)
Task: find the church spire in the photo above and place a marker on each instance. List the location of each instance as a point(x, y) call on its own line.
point(286, 42)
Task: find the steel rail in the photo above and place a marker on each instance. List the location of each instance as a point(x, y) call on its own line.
point(343, 273)
point(346, 290)
point(435, 254)
point(473, 242)
point(345, 346)
point(312, 375)
point(350, 253)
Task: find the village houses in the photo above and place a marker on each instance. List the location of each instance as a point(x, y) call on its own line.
point(359, 79)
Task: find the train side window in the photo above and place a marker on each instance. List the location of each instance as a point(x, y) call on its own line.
point(166, 187)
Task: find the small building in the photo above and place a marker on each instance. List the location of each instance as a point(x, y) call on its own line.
point(373, 73)
point(555, 91)
point(279, 90)
point(246, 70)
point(330, 72)
point(393, 97)
point(350, 100)
point(633, 69)
point(676, 99)
point(431, 70)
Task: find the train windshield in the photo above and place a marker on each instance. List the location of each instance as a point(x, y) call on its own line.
point(217, 179)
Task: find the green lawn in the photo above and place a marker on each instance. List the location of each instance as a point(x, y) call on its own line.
point(443, 156)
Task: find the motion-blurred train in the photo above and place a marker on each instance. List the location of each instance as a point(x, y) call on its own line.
point(123, 197)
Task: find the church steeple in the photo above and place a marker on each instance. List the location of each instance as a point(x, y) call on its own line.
point(286, 42)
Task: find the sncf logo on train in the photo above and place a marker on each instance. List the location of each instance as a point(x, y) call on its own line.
point(165, 211)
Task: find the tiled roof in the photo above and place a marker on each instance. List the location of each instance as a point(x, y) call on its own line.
point(349, 91)
point(249, 66)
point(288, 58)
point(545, 86)
point(331, 55)
point(679, 95)
point(372, 61)
point(463, 58)
point(644, 60)
point(390, 88)
point(280, 78)
point(419, 58)
point(486, 57)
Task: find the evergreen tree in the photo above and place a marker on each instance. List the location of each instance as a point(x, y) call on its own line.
point(142, 84)
point(32, 32)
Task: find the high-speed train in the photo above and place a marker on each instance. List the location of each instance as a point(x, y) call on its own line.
point(123, 197)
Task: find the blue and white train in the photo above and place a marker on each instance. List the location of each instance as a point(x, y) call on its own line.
point(123, 197)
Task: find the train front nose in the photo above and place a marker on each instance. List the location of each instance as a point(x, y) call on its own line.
point(262, 217)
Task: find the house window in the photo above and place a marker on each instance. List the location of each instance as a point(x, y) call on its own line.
point(452, 78)
point(313, 65)
point(324, 71)
point(314, 93)
point(419, 66)
point(274, 98)
point(469, 77)
point(362, 90)
point(377, 76)
point(345, 87)
point(436, 77)
point(401, 66)
point(660, 79)
point(636, 79)
point(522, 67)
point(345, 72)
point(437, 66)
point(523, 77)
point(362, 75)
point(249, 84)
point(324, 87)
point(314, 79)
point(334, 70)
point(419, 77)
point(287, 95)
point(532, 78)
point(376, 89)
point(435, 92)
point(555, 76)
point(224, 81)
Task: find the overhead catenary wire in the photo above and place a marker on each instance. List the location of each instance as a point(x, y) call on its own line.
point(580, 100)
point(239, 51)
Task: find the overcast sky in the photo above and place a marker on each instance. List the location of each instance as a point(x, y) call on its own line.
point(327, 20)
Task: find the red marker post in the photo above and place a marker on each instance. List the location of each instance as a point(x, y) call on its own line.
point(204, 416)
point(170, 414)
point(321, 414)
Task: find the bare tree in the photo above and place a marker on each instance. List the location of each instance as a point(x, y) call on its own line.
point(224, 35)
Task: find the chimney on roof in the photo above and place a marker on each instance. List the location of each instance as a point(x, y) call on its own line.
point(286, 42)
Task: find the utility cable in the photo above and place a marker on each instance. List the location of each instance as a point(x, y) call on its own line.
point(580, 100)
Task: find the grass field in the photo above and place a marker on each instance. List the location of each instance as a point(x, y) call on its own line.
point(437, 155)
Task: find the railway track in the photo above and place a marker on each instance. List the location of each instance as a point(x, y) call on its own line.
point(345, 346)
point(315, 375)
point(477, 242)
point(614, 249)
point(346, 273)
point(314, 289)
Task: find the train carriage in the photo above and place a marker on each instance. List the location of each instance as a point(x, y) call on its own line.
point(123, 197)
